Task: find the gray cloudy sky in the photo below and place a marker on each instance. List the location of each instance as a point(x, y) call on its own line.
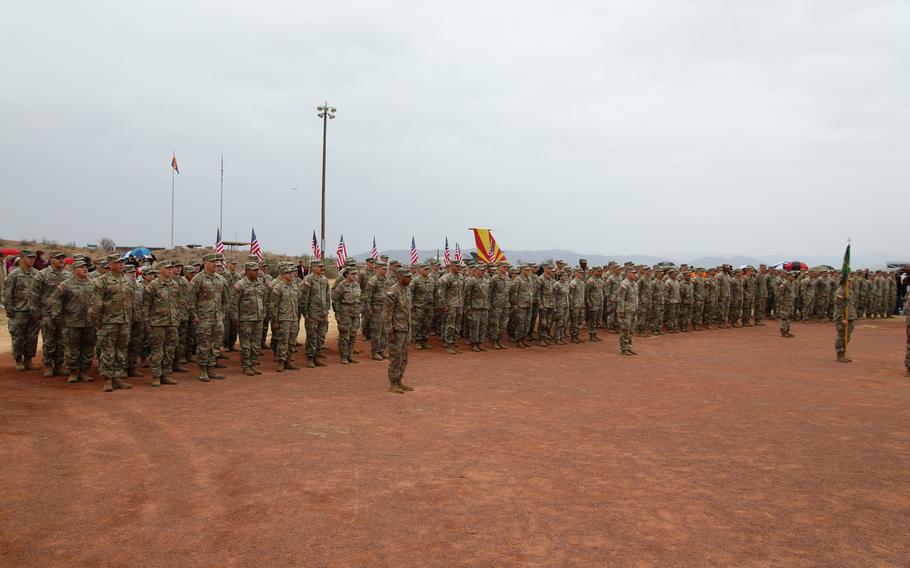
point(659, 127)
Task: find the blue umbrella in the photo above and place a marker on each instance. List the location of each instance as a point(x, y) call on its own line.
point(140, 252)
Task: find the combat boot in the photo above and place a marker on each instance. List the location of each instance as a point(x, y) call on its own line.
point(58, 370)
point(501, 346)
point(123, 385)
point(255, 370)
point(166, 380)
point(625, 353)
point(344, 360)
point(495, 345)
point(108, 386)
point(352, 360)
point(132, 372)
point(144, 362)
point(842, 358)
point(318, 362)
point(48, 372)
point(403, 386)
point(83, 378)
point(156, 381)
point(203, 373)
point(290, 366)
point(425, 345)
point(218, 365)
point(214, 375)
point(419, 345)
point(280, 367)
point(475, 347)
point(311, 362)
point(393, 387)
point(450, 350)
point(376, 357)
point(19, 365)
point(178, 368)
point(249, 372)
point(27, 363)
point(74, 378)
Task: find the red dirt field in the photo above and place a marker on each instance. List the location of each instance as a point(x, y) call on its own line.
point(720, 448)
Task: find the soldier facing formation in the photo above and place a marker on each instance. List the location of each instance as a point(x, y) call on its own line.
point(168, 314)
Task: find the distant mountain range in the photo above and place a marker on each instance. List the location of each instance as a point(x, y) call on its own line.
point(875, 260)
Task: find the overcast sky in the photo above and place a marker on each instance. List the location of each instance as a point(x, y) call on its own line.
point(652, 127)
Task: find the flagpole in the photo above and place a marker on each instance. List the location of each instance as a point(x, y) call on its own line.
point(172, 205)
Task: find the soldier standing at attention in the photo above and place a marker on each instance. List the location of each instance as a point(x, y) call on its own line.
point(249, 310)
point(786, 297)
point(70, 305)
point(112, 315)
point(161, 315)
point(24, 319)
point(284, 309)
point(761, 294)
point(374, 303)
point(346, 299)
point(208, 294)
point(576, 304)
point(686, 299)
point(520, 295)
point(736, 299)
point(137, 328)
point(423, 305)
point(450, 301)
point(748, 297)
point(230, 327)
point(314, 304)
point(594, 302)
point(543, 291)
point(843, 308)
point(397, 327)
point(723, 296)
point(363, 278)
point(476, 303)
point(698, 300)
point(627, 311)
point(671, 311)
point(560, 307)
point(500, 290)
point(46, 283)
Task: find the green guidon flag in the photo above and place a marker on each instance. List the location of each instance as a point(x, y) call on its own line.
point(845, 271)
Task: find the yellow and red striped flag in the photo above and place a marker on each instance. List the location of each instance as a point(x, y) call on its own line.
point(487, 248)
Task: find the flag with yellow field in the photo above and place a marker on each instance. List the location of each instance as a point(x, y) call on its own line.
point(487, 249)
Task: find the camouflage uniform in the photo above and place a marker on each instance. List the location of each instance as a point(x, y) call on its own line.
point(576, 306)
point(786, 296)
point(748, 299)
point(594, 304)
point(520, 297)
point(734, 315)
point(423, 307)
point(723, 298)
point(710, 300)
point(52, 328)
point(626, 311)
point(397, 327)
point(284, 308)
point(22, 313)
point(658, 302)
point(161, 312)
point(671, 309)
point(500, 290)
point(560, 308)
point(346, 297)
point(477, 304)
point(181, 353)
point(807, 294)
point(314, 305)
point(644, 305)
point(699, 294)
point(822, 297)
point(112, 314)
point(543, 291)
point(207, 297)
point(450, 298)
point(374, 303)
point(230, 326)
point(842, 304)
point(686, 299)
point(138, 337)
point(70, 304)
point(249, 309)
point(761, 296)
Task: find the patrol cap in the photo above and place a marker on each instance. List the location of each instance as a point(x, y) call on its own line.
point(350, 261)
point(370, 259)
point(401, 272)
point(349, 270)
point(78, 263)
point(27, 252)
point(514, 271)
point(394, 263)
point(165, 264)
point(286, 269)
point(585, 260)
point(176, 264)
point(112, 258)
point(422, 265)
point(232, 261)
point(251, 266)
point(315, 263)
point(210, 258)
point(57, 254)
point(102, 262)
point(381, 265)
point(129, 268)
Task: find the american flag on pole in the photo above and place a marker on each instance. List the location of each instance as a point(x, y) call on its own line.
point(457, 253)
point(254, 246)
point(446, 257)
point(316, 252)
point(492, 251)
point(415, 258)
point(219, 245)
point(374, 252)
point(341, 253)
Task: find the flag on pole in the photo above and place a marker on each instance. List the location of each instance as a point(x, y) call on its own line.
point(254, 246)
point(457, 253)
point(845, 269)
point(317, 254)
point(341, 254)
point(374, 252)
point(446, 258)
point(487, 249)
point(219, 245)
point(415, 257)
point(174, 163)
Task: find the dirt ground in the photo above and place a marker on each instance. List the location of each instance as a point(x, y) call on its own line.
point(722, 448)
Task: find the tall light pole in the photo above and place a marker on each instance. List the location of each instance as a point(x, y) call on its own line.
point(325, 113)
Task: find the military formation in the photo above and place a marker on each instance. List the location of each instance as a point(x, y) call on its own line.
point(170, 314)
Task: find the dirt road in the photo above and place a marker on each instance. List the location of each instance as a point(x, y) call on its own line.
point(722, 448)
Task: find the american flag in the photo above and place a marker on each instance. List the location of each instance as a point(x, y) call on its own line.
point(341, 253)
point(219, 246)
point(446, 257)
point(415, 258)
point(492, 252)
point(457, 253)
point(374, 253)
point(317, 254)
point(254, 246)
